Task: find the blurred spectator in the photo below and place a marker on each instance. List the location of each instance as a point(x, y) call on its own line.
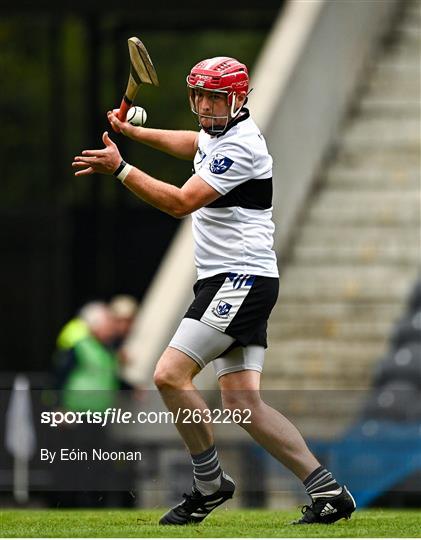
point(86, 367)
point(124, 308)
point(86, 379)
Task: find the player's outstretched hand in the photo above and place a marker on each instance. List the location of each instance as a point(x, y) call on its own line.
point(103, 161)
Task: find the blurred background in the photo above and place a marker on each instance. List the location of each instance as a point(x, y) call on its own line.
point(337, 96)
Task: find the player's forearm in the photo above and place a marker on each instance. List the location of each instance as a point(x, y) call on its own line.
point(180, 144)
point(161, 195)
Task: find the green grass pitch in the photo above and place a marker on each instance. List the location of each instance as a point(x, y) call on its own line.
point(221, 524)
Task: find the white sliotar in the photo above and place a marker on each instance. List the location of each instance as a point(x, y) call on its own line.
point(136, 116)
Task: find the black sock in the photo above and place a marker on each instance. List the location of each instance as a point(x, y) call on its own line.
point(207, 471)
point(320, 483)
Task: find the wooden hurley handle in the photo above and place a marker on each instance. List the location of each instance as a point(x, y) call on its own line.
point(124, 108)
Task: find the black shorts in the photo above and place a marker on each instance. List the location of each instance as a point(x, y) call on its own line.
point(237, 304)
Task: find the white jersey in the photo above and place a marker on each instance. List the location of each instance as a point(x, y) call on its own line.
point(235, 232)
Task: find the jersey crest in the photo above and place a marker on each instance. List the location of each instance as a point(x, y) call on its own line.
point(222, 309)
point(220, 164)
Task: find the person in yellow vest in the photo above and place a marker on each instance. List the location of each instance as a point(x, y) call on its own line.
point(86, 366)
point(86, 369)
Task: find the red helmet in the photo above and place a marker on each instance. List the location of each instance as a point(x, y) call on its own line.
point(220, 74)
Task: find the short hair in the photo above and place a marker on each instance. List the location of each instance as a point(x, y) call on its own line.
point(93, 313)
point(123, 305)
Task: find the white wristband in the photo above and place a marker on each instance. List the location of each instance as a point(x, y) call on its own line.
point(122, 171)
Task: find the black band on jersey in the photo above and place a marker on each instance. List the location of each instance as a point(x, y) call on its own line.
point(253, 194)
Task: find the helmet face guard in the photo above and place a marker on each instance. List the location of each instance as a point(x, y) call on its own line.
point(219, 122)
point(222, 75)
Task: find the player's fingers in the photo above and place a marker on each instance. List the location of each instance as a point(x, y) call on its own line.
point(84, 172)
point(106, 139)
point(114, 120)
point(113, 114)
point(80, 165)
point(85, 159)
point(94, 153)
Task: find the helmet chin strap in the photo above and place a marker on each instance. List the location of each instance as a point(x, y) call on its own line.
point(233, 103)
